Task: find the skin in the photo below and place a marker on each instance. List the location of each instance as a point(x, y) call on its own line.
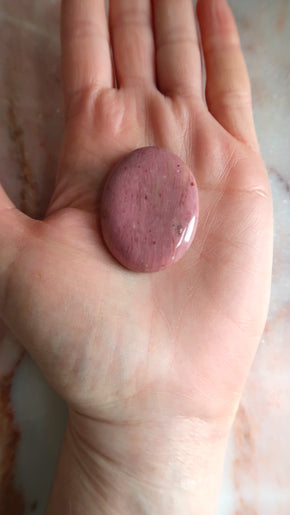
point(152, 366)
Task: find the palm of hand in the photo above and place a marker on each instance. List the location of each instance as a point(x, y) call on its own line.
point(112, 335)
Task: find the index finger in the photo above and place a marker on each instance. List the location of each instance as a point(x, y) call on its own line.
point(86, 55)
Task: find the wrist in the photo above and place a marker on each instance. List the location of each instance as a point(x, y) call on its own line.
point(173, 471)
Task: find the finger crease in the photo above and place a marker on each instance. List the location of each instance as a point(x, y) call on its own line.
point(233, 98)
point(130, 17)
point(177, 41)
point(85, 29)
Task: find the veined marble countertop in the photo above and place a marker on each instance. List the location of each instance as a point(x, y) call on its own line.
point(32, 418)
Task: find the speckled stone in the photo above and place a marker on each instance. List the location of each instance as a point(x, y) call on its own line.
point(149, 210)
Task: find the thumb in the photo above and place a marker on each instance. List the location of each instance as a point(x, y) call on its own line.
point(14, 236)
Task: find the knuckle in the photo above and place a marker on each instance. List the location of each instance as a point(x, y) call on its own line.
point(80, 101)
point(217, 44)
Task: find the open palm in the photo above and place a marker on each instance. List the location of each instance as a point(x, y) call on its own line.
point(117, 344)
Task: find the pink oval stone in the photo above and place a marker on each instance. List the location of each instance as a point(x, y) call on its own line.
point(149, 210)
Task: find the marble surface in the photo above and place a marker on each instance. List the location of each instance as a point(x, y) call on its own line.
point(32, 418)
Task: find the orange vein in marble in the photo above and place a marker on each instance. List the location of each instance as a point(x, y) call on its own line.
point(11, 501)
point(29, 190)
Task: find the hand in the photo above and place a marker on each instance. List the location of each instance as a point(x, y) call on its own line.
point(151, 365)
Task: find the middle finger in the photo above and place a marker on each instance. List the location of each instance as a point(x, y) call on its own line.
point(178, 58)
point(132, 41)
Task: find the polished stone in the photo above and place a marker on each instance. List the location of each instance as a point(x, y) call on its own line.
point(149, 210)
